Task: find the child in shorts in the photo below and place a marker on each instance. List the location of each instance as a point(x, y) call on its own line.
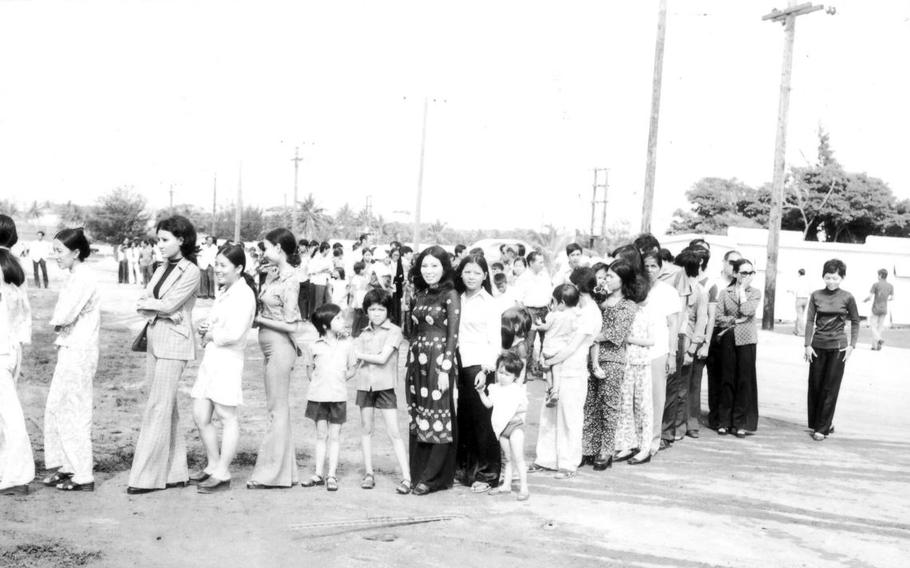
point(509, 400)
point(376, 353)
point(516, 325)
point(560, 325)
point(329, 364)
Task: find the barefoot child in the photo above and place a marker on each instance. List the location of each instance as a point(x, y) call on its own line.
point(376, 350)
point(329, 364)
point(560, 325)
point(509, 401)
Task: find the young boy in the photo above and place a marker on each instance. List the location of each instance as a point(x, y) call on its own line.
point(359, 285)
point(376, 350)
point(560, 325)
point(509, 401)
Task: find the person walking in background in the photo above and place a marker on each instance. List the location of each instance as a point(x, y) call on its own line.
point(207, 253)
point(159, 461)
point(827, 347)
point(123, 263)
point(132, 257)
point(68, 413)
point(17, 462)
point(881, 293)
point(39, 251)
point(145, 261)
point(801, 298)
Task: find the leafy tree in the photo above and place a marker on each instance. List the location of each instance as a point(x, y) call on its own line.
point(120, 214)
point(311, 220)
point(253, 223)
point(8, 207)
point(719, 203)
point(34, 212)
point(72, 215)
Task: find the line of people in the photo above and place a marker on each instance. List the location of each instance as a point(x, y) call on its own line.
point(622, 346)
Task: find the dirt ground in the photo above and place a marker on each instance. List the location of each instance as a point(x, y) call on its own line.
point(773, 499)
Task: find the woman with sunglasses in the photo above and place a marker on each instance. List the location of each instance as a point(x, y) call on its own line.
point(737, 337)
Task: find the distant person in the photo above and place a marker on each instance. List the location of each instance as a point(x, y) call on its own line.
point(827, 346)
point(801, 297)
point(39, 251)
point(123, 262)
point(207, 253)
point(881, 293)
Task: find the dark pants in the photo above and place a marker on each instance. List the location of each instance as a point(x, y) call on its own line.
point(712, 364)
point(123, 272)
point(694, 416)
point(825, 374)
point(676, 405)
point(316, 296)
point(303, 300)
point(537, 314)
point(738, 403)
point(477, 456)
point(43, 264)
point(434, 464)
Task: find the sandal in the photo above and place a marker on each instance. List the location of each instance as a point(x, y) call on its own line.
point(565, 474)
point(420, 489)
point(523, 495)
point(480, 487)
point(534, 468)
point(68, 485)
point(404, 487)
point(56, 478)
point(501, 490)
point(313, 481)
point(331, 484)
point(368, 481)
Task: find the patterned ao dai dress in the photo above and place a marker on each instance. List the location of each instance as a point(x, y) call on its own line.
point(431, 412)
point(68, 414)
point(637, 414)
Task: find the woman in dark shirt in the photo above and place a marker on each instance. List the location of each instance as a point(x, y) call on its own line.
point(827, 349)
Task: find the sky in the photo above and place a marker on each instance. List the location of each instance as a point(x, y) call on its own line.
point(526, 99)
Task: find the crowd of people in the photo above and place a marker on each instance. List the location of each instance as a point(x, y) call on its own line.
point(622, 345)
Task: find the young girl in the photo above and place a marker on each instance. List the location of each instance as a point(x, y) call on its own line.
point(218, 382)
point(516, 325)
point(560, 326)
point(17, 463)
point(68, 414)
point(339, 291)
point(358, 289)
point(637, 415)
point(328, 364)
point(509, 401)
point(376, 350)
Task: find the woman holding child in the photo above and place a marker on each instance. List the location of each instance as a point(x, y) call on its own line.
point(479, 340)
point(431, 372)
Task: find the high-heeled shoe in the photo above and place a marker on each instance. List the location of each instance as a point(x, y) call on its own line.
point(601, 464)
point(624, 457)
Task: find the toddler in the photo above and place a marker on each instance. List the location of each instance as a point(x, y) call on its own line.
point(560, 325)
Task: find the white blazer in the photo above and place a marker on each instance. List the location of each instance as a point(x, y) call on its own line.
point(229, 323)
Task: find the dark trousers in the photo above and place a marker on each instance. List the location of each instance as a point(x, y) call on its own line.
point(537, 314)
point(738, 403)
point(825, 374)
point(43, 265)
point(477, 455)
point(676, 405)
point(123, 272)
point(694, 415)
point(316, 296)
point(303, 300)
point(360, 321)
point(712, 364)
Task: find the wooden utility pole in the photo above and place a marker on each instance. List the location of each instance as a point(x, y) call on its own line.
point(423, 145)
point(214, 207)
point(599, 185)
point(239, 208)
point(296, 159)
point(172, 198)
point(786, 17)
point(647, 205)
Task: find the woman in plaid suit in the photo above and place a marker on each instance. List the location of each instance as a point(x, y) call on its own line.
point(159, 461)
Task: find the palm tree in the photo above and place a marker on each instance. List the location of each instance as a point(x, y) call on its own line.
point(7, 207)
point(310, 219)
point(34, 213)
point(436, 232)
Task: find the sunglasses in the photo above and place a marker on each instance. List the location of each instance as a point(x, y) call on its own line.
point(747, 273)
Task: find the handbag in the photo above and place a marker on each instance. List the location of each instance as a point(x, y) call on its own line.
point(141, 343)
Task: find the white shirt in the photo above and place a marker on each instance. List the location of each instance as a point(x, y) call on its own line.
point(534, 290)
point(663, 300)
point(509, 401)
point(506, 300)
point(319, 267)
point(78, 310)
point(39, 250)
point(590, 320)
point(206, 256)
point(480, 330)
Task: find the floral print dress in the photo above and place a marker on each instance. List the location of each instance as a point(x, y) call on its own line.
point(435, 315)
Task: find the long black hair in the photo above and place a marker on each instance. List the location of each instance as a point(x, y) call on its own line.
point(446, 282)
point(632, 287)
point(9, 264)
point(285, 240)
point(74, 239)
point(479, 261)
point(181, 228)
point(236, 255)
point(8, 234)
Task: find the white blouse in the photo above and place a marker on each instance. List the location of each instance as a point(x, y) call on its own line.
point(78, 311)
point(480, 330)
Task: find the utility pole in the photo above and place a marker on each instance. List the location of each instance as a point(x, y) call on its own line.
point(599, 185)
point(296, 159)
point(423, 144)
point(172, 198)
point(647, 205)
point(237, 214)
point(787, 17)
point(214, 207)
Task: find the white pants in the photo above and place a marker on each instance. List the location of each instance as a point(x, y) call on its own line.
point(68, 414)
point(17, 463)
point(877, 325)
point(559, 436)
